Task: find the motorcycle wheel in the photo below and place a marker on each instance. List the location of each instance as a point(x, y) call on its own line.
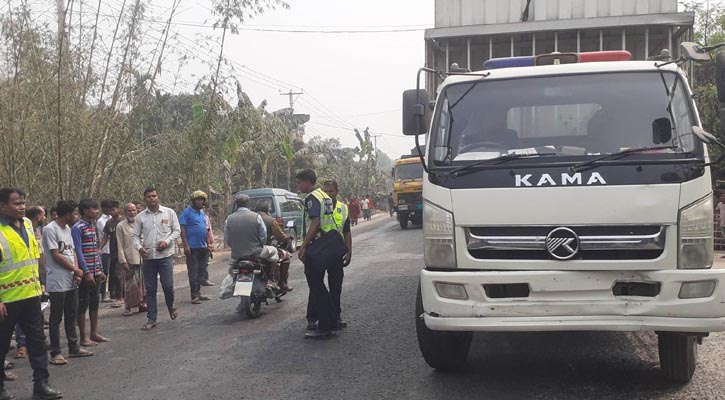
point(251, 306)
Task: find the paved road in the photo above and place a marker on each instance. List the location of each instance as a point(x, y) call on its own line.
point(212, 353)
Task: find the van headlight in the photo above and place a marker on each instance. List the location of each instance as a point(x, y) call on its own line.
point(696, 242)
point(438, 237)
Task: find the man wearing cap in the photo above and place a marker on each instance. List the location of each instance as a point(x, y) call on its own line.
point(193, 237)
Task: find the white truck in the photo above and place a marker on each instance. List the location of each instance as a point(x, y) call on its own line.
point(566, 192)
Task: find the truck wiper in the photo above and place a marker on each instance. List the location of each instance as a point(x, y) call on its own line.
point(495, 161)
point(621, 154)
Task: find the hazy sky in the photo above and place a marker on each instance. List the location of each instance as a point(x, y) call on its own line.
point(349, 79)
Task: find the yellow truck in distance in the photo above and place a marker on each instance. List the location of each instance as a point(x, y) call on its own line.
point(408, 190)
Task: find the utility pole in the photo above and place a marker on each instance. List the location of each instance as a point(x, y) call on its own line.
point(375, 143)
point(292, 97)
point(59, 128)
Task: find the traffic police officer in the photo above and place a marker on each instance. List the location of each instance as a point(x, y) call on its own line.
point(318, 220)
point(20, 291)
point(335, 274)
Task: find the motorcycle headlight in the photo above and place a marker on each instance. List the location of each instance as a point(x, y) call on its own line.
point(696, 242)
point(438, 237)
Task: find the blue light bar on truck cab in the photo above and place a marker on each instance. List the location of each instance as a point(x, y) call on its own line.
point(509, 62)
point(548, 59)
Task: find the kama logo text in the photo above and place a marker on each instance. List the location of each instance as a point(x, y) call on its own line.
point(576, 179)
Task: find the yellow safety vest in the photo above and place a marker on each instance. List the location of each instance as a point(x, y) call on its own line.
point(340, 215)
point(19, 278)
point(327, 213)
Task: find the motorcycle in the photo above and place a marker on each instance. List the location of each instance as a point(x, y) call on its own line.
point(254, 285)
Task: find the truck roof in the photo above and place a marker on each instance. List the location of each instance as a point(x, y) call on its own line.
point(564, 69)
point(408, 160)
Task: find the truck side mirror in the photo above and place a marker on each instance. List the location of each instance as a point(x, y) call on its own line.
point(694, 52)
point(720, 75)
point(661, 130)
point(415, 112)
point(392, 173)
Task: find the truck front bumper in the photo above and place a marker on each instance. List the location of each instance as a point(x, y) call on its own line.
point(574, 301)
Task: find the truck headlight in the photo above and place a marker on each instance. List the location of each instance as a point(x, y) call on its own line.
point(696, 246)
point(438, 237)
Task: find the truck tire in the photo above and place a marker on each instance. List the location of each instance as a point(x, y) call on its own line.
point(678, 356)
point(418, 220)
point(403, 220)
point(444, 351)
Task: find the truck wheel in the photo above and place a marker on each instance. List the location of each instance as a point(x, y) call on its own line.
point(403, 220)
point(678, 356)
point(418, 220)
point(444, 351)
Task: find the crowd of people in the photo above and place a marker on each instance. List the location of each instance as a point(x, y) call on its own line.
point(360, 207)
point(78, 255)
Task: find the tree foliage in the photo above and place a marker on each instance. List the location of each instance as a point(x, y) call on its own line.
point(82, 114)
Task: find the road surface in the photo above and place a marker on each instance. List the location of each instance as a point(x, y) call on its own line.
point(211, 352)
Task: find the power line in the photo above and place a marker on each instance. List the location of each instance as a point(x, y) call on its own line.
point(349, 129)
point(375, 113)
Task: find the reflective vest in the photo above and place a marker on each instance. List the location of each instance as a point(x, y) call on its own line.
point(19, 278)
point(340, 216)
point(327, 213)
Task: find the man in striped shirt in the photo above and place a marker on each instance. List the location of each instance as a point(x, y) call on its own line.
point(85, 241)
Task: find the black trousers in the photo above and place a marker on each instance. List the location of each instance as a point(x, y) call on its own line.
point(335, 276)
point(26, 313)
point(196, 266)
point(115, 282)
point(63, 307)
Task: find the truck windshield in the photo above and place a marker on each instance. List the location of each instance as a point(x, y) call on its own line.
point(404, 172)
point(563, 116)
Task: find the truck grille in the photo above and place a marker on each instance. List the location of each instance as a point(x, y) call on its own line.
point(410, 198)
point(625, 242)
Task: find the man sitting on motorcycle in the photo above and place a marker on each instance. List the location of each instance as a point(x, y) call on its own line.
point(275, 232)
point(246, 234)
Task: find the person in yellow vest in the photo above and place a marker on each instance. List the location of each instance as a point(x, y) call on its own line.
point(336, 274)
point(317, 251)
point(20, 291)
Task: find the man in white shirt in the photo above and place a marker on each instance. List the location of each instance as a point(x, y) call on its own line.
point(365, 205)
point(157, 228)
point(106, 255)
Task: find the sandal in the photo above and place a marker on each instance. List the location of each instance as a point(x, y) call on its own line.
point(148, 326)
point(89, 344)
point(21, 353)
point(117, 304)
point(58, 359)
point(80, 353)
point(9, 365)
point(127, 313)
point(195, 300)
point(173, 313)
point(9, 376)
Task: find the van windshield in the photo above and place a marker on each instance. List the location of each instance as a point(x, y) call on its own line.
point(564, 116)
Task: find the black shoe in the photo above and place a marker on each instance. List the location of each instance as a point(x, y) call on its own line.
point(339, 325)
point(318, 334)
point(5, 395)
point(207, 283)
point(43, 391)
point(311, 325)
